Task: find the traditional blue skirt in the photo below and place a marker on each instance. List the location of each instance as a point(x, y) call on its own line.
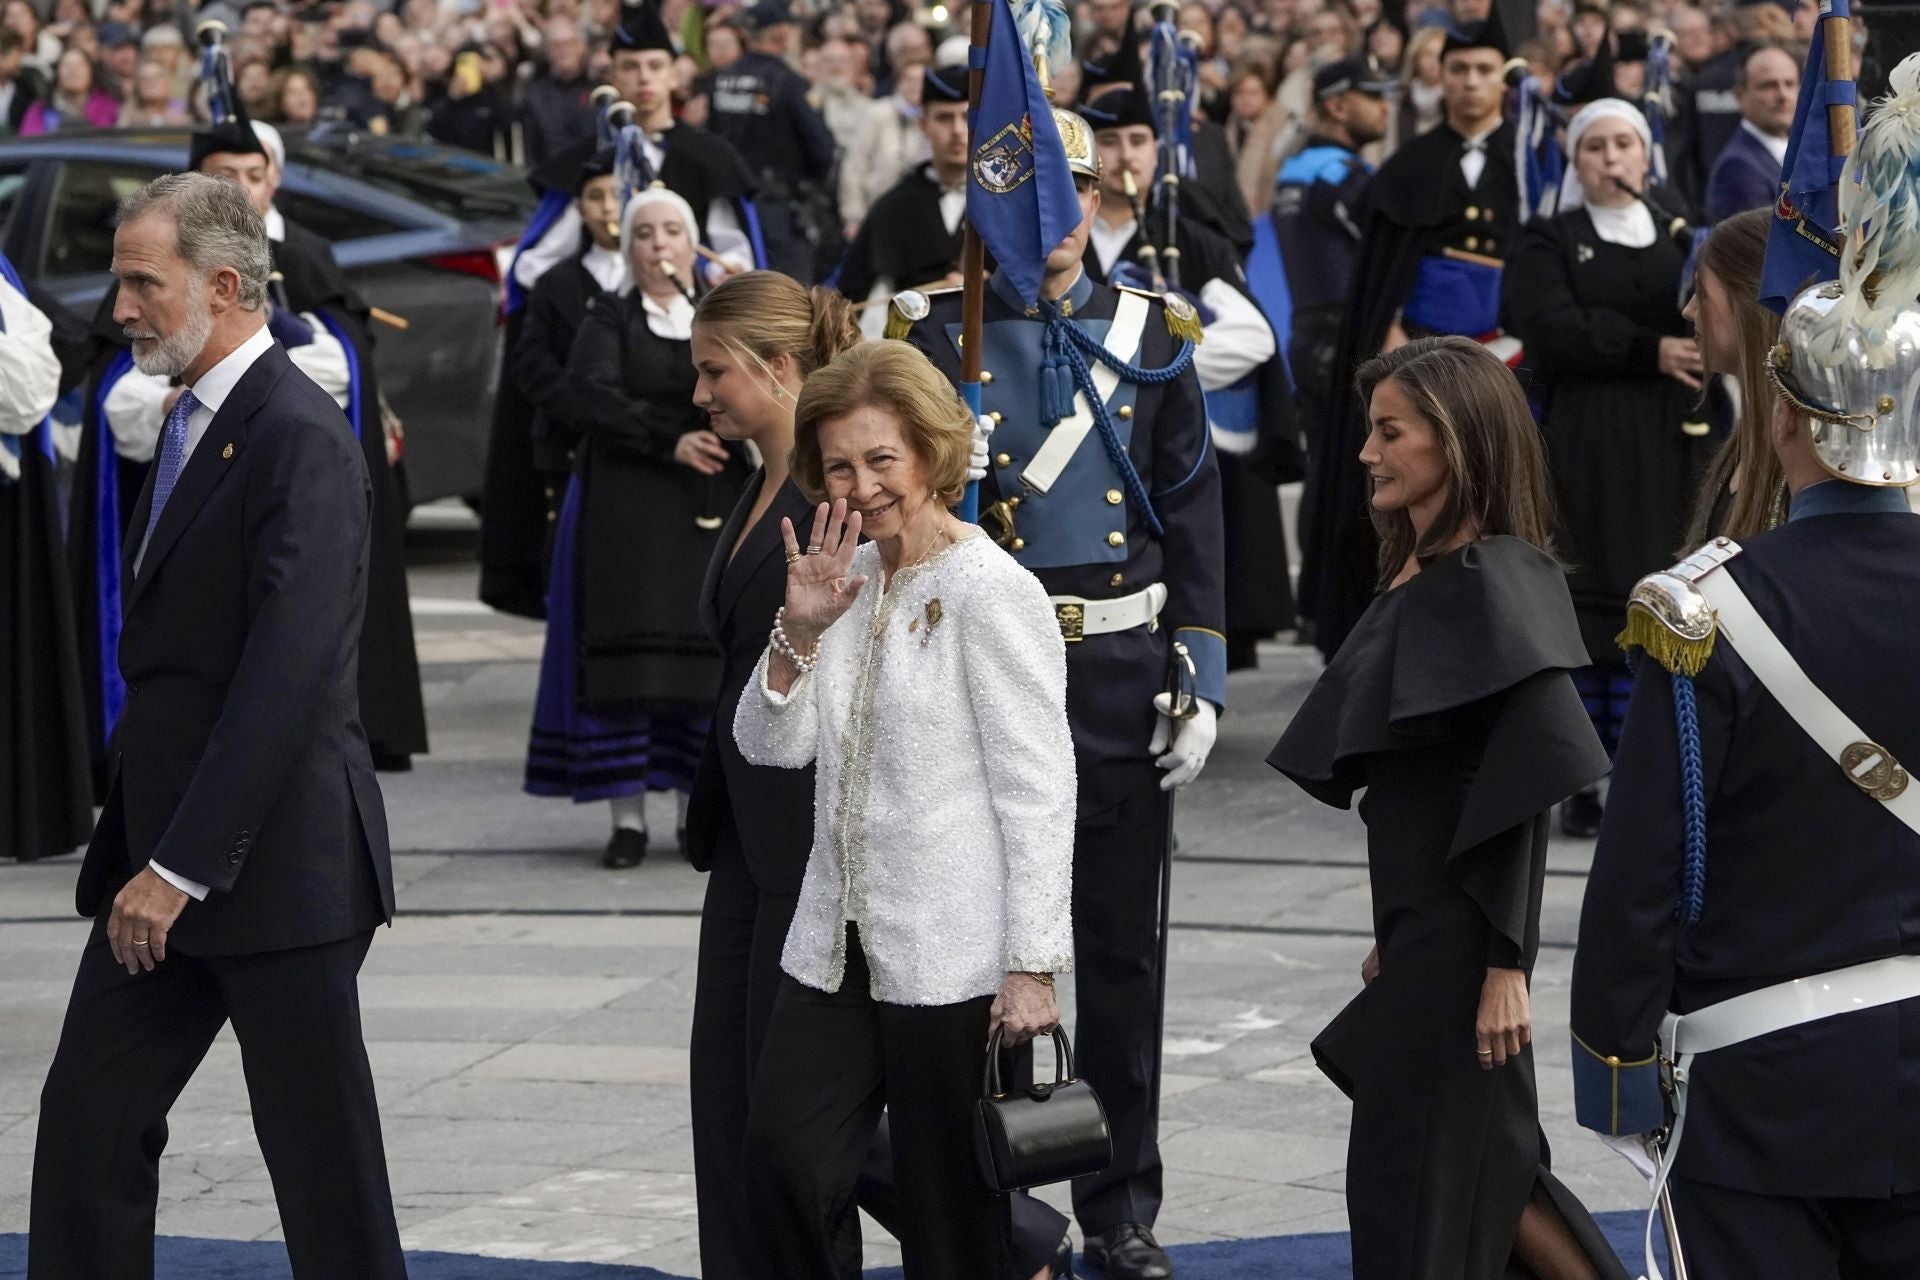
point(599, 753)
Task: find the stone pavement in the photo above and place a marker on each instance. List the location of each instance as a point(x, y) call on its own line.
point(527, 1016)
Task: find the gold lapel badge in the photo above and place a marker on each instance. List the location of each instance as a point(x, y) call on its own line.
point(227, 453)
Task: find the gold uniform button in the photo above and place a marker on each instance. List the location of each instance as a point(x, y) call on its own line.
point(1117, 580)
point(1002, 459)
point(997, 417)
point(986, 379)
point(1116, 539)
point(1019, 544)
point(1113, 497)
point(1473, 213)
point(1125, 411)
point(1473, 242)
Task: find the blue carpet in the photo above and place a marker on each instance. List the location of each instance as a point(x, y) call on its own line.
point(1309, 1257)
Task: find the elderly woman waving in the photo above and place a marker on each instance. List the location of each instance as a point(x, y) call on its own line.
point(924, 674)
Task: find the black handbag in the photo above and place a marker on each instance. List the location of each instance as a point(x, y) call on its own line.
point(1042, 1133)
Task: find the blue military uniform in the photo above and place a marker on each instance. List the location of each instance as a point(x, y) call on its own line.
point(1120, 517)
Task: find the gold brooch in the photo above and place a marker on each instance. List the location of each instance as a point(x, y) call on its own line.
point(227, 452)
point(934, 614)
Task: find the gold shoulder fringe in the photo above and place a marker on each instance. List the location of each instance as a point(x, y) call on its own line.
point(1681, 654)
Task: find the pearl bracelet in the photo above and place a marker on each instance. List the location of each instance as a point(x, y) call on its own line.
point(784, 647)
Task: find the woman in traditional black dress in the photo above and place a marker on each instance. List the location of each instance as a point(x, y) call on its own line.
point(1594, 294)
point(1451, 705)
point(628, 678)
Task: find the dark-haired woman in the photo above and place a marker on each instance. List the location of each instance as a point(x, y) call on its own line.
point(1744, 493)
point(1450, 703)
point(1594, 294)
point(628, 677)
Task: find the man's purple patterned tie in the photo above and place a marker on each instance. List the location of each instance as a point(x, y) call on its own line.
point(173, 459)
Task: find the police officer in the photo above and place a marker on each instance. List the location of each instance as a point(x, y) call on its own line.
point(1115, 504)
point(1758, 870)
point(1313, 223)
point(764, 108)
point(911, 236)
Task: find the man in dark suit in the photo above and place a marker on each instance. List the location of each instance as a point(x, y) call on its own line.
point(241, 863)
point(1747, 174)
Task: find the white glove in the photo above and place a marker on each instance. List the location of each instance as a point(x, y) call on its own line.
point(1634, 1147)
point(1191, 739)
point(977, 459)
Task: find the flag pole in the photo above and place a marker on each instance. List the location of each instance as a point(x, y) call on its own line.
point(1841, 127)
point(973, 253)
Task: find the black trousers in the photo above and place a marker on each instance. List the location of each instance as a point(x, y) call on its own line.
point(832, 1062)
point(1117, 857)
point(1737, 1235)
point(129, 1046)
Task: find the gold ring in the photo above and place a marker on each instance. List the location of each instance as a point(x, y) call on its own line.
point(1484, 1053)
point(793, 557)
point(142, 943)
point(813, 548)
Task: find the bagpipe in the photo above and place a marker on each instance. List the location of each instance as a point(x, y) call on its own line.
point(1173, 68)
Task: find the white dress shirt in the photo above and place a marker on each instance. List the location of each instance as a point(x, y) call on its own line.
point(608, 269)
point(212, 390)
point(944, 794)
point(29, 371)
point(1776, 147)
point(1473, 160)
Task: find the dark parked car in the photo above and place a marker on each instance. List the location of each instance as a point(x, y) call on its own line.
point(423, 230)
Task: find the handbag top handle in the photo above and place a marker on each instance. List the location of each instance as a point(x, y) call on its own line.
point(1062, 1064)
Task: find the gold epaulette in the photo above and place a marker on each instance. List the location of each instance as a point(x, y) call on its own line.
point(910, 306)
point(1668, 615)
point(1183, 322)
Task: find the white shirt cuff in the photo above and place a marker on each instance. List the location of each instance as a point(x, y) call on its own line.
point(192, 888)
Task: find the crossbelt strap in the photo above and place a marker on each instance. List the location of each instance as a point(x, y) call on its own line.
point(1683, 1037)
point(1830, 728)
point(1123, 340)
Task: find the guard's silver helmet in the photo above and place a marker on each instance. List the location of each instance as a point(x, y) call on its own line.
point(1849, 350)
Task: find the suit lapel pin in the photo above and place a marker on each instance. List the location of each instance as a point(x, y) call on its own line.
point(1583, 253)
point(227, 452)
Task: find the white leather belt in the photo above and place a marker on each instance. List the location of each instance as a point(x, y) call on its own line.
point(1080, 617)
point(1063, 441)
point(1757, 1013)
point(1870, 766)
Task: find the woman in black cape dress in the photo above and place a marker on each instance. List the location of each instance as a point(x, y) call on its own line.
point(1451, 705)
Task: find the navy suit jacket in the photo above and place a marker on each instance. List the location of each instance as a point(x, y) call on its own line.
point(768, 811)
point(1746, 176)
point(239, 761)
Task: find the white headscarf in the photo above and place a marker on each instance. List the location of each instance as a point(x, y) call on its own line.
point(675, 320)
point(270, 139)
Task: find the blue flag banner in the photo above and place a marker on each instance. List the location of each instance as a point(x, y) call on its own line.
point(1803, 245)
point(1020, 197)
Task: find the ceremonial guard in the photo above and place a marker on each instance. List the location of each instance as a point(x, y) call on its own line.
point(1435, 225)
point(1302, 262)
point(911, 236)
point(1747, 943)
point(767, 111)
point(706, 172)
point(1113, 499)
point(1249, 405)
point(46, 799)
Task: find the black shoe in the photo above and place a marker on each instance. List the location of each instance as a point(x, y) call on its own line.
point(1063, 1260)
point(391, 761)
point(1128, 1252)
point(627, 848)
point(1580, 815)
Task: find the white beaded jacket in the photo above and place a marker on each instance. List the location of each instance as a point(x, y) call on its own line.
point(944, 795)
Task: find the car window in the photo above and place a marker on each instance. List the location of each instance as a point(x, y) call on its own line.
point(13, 182)
point(330, 221)
point(80, 241)
point(448, 181)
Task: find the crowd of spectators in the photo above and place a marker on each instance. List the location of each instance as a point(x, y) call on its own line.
point(511, 78)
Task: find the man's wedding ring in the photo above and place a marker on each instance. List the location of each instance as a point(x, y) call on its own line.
point(142, 943)
point(1484, 1053)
